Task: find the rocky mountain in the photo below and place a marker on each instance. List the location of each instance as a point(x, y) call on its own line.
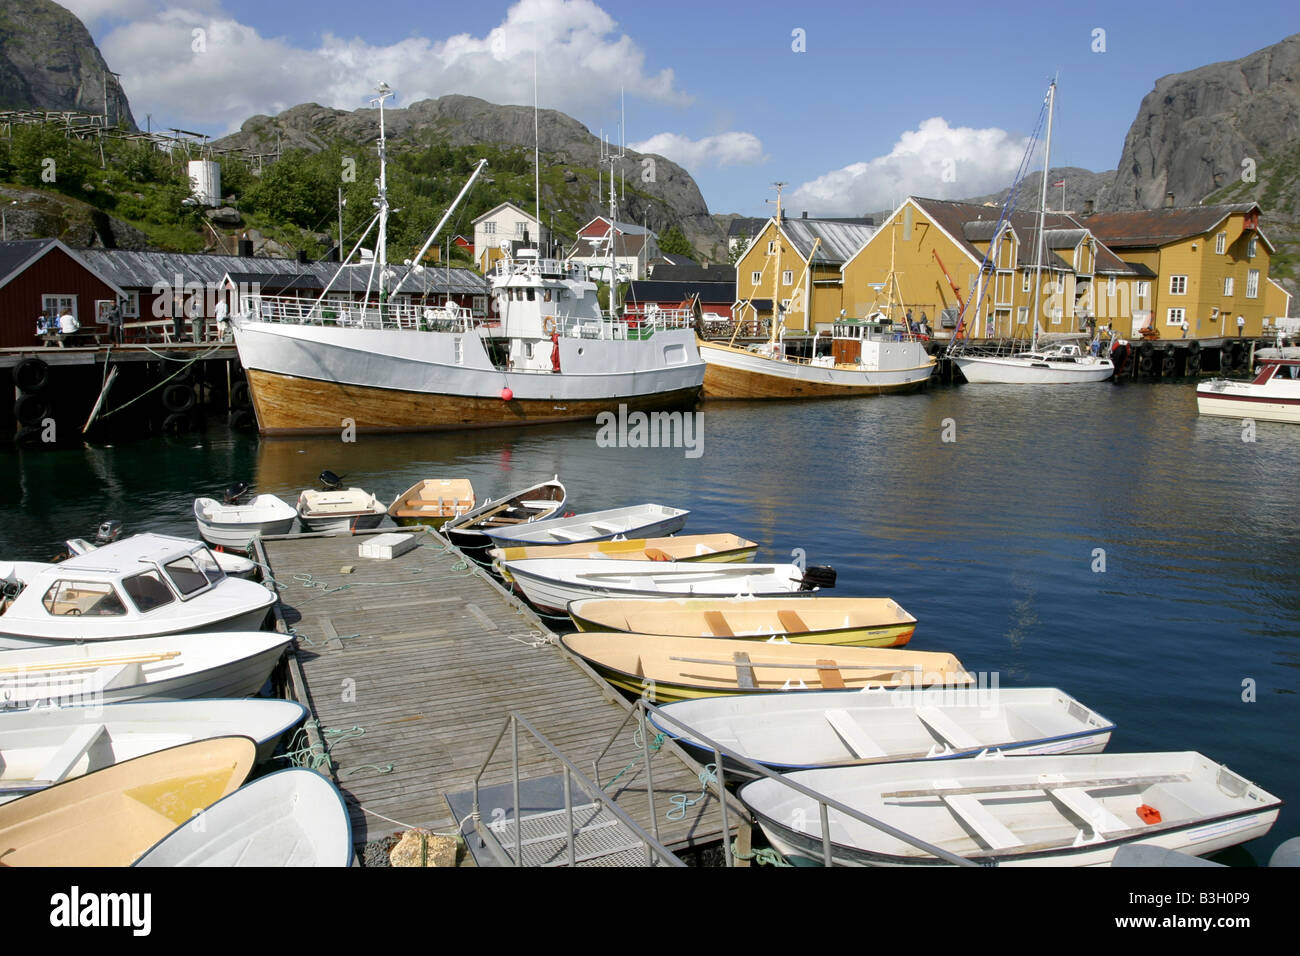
point(49, 62)
point(670, 198)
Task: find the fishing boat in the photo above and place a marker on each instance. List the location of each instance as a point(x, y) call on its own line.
point(229, 524)
point(786, 732)
point(634, 521)
point(703, 548)
point(143, 586)
point(1273, 395)
point(855, 622)
point(1070, 810)
point(294, 817)
point(174, 667)
point(339, 510)
point(551, 583)
point(680, 668)
point(110, 817)
point(390, 363)
point(39, 748)
point(469, 531)
point(433, 501)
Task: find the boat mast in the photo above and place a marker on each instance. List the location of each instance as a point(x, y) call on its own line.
point(381, 251)
point(1042, 213)
point(613, 210)
point(537, 163)
point(776, 273)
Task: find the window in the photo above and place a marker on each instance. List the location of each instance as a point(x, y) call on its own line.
point(1220, 243)
point(185, 574)
point(521, 228)
point(458, 349)
point(59, 304)
point(1176, 317)
point(208, 565)
point(771, 248)
point(147, 591)
point(1022, 316)
point(787, 277)
point(1178, 285)
point(489, 228)
point(1250, 248)
point(1143, 289)
point(785, 305)
point(480, 305)
point(1110, 287)
point(755, 277)
point(1024, 282)
point(131, 308)
point(78, 598)
point(1227, 286)
point(1252, 284)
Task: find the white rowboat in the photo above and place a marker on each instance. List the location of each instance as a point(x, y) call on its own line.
point(235, 526)
point(346, 509)
point(635, 521)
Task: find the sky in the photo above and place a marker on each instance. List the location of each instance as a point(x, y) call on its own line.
point(854, 105)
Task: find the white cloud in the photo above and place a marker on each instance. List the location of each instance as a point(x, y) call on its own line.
point(217, 79)
point(934, 160)
point(724, 149)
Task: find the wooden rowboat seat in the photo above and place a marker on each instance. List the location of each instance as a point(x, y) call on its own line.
point(792, 622)
point(718, 626)
point(828, 672)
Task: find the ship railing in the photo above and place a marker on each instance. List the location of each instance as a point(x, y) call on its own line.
point(529, 266)
point(392, 315)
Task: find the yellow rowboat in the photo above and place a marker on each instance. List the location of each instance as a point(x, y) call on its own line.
point(683, 668)
point(433, 501)
point(704, 548)
point(850, 622)
point(112, 816)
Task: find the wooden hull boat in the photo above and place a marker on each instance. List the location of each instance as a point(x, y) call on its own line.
point(175, 667)
point(786, 732)
point(681, 668)
point(550, 584)
point(109, 818)
point(294, 817)
point(433, 501)
point(1072, 810)
point(636, 521)
point(737, 373)
point(853, 622)
point(700, 548)
point(344, 510)
point(469, 531)
point(39, 748)
point(235, 526)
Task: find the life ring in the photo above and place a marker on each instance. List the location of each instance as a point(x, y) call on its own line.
point(31, 375)
point(31, 409)
point(177, 397)
point(549, 325)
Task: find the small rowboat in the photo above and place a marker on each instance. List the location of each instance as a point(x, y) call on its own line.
point(635, 521)
point(294, 817)
point(469, 531)
point(551, 583)
point(42, 747)
point(701, 548)
point(1072, 810)
point(235, 525)
point(840, 728)
point(681, 668)
point(339, 510)
point(433, 501)
point(853, 622)
point(110, 817)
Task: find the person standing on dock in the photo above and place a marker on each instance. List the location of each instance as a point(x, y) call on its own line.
point(1241, 325)
point(1185, 328)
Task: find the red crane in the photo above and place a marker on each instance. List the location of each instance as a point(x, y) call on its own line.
point(955, 291)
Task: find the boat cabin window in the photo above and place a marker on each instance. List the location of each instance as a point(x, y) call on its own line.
point(89, 598)
point(148, 591)
point(186, 575)
point(208, 565)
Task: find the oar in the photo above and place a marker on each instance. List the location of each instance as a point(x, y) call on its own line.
point(91, 663)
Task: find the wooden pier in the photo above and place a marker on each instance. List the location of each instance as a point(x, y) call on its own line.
point(427, 654)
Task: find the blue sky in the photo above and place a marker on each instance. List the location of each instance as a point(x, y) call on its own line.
point(880, 97)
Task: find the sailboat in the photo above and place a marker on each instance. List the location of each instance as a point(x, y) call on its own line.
point(1063, 363)
point(866, 357)
point(389, 365)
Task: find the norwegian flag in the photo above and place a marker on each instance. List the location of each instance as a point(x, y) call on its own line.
point(1059, 182)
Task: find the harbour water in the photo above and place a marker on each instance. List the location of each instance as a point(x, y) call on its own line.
point(1102, 539)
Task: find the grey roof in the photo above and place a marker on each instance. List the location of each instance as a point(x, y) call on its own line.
point(741, 226)
point(839, 240)
point(655, 291)
point(667, 272)
point(14, 254)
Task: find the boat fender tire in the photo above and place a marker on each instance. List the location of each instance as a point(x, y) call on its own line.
point(178, 398)
point(28, 436)
point(239, 395)
point(177, 423)
point(31, 409)
point(1193, 364)
point(1167, 363)
point(1146, 348)
point(242, 419)
point(31, 375)
point(1193, 347)
point(1144, 364)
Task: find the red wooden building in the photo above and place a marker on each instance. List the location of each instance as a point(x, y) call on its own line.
point(43, 277)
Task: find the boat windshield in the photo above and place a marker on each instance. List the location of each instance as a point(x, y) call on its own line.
point(147, 591)
point(207, 563)
point(75, 598)
point(186, 575)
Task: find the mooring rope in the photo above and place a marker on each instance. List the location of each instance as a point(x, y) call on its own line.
point(681, 803)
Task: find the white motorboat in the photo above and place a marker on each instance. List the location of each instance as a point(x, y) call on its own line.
point(838, 728)
point(41, 747)
point(1273, 395)
point(634, 521)
point(234, 525)
point(339, 510)
point(295, 817)
point(469, 531)
point(173, 667)
point(235, 565)
point(144, 586)
point(1072, 810)
point(551, 583)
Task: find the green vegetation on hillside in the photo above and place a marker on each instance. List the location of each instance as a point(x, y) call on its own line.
point(1277, 190)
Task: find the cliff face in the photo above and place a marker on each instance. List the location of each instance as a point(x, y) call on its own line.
point(49, 62)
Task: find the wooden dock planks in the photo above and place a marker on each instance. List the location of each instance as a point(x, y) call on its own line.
point(427, 655)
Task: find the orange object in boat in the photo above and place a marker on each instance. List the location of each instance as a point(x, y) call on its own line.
point(1149, 814)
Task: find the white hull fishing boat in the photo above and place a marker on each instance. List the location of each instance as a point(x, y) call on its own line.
point(550, 584)
point(840, 728)
point(469, 531)
point(42, 747)
point(234, 565)
point(1272, 396)
point(144, 586)
point(294, 817)
point(234, 525)
point(389, 365)
point(635, 521)
point(175, 667)
point(340, 510)
point(1073, 810)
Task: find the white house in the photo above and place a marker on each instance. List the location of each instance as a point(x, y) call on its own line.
point(634, 247)
point(498, 229)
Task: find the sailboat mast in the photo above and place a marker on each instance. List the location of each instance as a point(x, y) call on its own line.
point(1042, 212)
point(537, 162)
point(776, 273)
point(381, 252)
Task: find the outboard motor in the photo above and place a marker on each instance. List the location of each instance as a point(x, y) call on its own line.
point(819, 576)
point(331, 481)
point(108, 532)
point(235, 492)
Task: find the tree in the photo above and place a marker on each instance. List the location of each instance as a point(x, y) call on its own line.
point(674, 243)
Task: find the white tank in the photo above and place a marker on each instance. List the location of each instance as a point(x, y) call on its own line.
point(205, 180)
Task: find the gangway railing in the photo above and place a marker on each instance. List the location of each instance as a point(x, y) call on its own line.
point(825, 803)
